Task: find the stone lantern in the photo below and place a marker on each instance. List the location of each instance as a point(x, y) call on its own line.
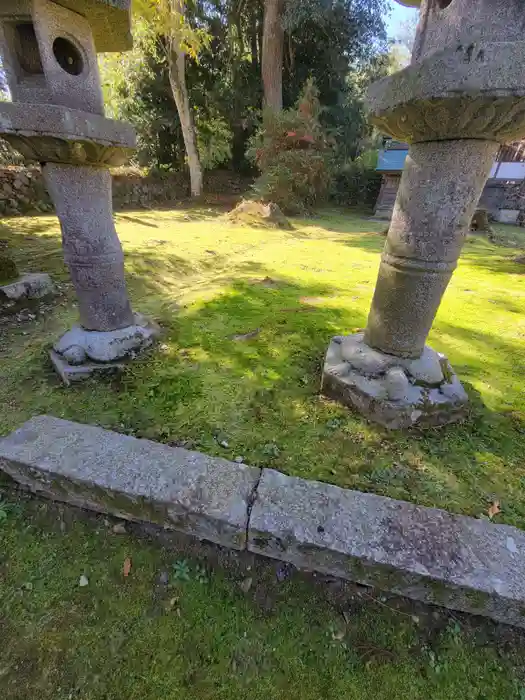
point(460, 98)
point(49, 51)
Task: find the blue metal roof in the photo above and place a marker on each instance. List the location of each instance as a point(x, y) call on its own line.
point(392, 160)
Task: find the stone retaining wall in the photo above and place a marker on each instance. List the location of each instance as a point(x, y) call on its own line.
point(22, 189)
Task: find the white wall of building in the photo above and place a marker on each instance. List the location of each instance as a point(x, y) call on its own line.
point(508, 171)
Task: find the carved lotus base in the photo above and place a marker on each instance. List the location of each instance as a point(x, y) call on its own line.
point(470, 92)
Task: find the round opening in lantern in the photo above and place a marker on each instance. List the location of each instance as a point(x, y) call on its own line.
point(68, 56)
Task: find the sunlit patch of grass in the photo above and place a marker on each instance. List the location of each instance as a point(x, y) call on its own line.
point(247, 316)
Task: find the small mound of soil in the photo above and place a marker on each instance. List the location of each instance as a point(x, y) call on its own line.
point(253, 213)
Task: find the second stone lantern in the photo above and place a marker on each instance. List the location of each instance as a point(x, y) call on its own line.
point(56, 117)
point(462, 96)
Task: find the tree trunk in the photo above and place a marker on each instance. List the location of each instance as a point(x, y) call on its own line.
point(177, 76)
point(254, 41)
point(272, 54)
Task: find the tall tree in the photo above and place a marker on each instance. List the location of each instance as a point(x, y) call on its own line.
point(169, 28)
point(339, 43)
point(177, 75)
point(272, 54)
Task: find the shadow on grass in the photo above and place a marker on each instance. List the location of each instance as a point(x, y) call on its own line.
point(480, 349)
point(494, 262)
point(246, 366)
point(242, 366)
point(36, 246)
point(142, 221)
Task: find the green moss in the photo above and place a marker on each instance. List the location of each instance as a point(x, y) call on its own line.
point(248, 314)
point(476, 599)
point(204, 639)
point(8, 269)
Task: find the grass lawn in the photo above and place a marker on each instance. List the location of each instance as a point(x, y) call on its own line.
point(184, 628)
point(248, 314)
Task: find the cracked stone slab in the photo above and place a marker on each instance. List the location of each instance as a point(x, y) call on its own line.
point(423, 553)
point(140, 480)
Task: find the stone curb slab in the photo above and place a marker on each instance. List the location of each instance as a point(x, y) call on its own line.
point(132, 479)
point(422, 553)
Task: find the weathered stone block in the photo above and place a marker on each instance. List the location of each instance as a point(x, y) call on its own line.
point(71, 373)
point(30, 286)
point(422, 553)
point(132, 479)
point(107, 346)
point(393, 391)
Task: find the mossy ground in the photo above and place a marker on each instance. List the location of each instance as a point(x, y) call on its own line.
point(181, 626)
point(247, 315)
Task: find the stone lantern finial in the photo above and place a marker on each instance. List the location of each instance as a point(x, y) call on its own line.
point(462, 96)
point(49, 51)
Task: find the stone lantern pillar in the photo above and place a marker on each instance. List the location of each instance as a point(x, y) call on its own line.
point(461, 97)
point(49, 51)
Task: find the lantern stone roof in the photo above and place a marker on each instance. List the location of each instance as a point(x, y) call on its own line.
point(110, 21)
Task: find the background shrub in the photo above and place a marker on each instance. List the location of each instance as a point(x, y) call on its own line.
point(357, 182)
point(293, 154)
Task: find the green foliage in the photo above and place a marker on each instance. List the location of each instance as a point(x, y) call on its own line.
point(7, 510)
point(8, 269)
point(8, 155)
point(357, 182)
point(181, 570)
point(214, 139)
point(136, 89)
point(293, 154)
point(341, 44)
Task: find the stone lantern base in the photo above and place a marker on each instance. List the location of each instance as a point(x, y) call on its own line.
point(394, 392)
point(80, 353)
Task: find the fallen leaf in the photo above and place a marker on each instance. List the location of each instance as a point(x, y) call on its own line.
point(127, 566)
point(246, 584)
point(247, 336)
point(119, 529)
point(83, 581)
point(375, 655)
point(494, 509)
